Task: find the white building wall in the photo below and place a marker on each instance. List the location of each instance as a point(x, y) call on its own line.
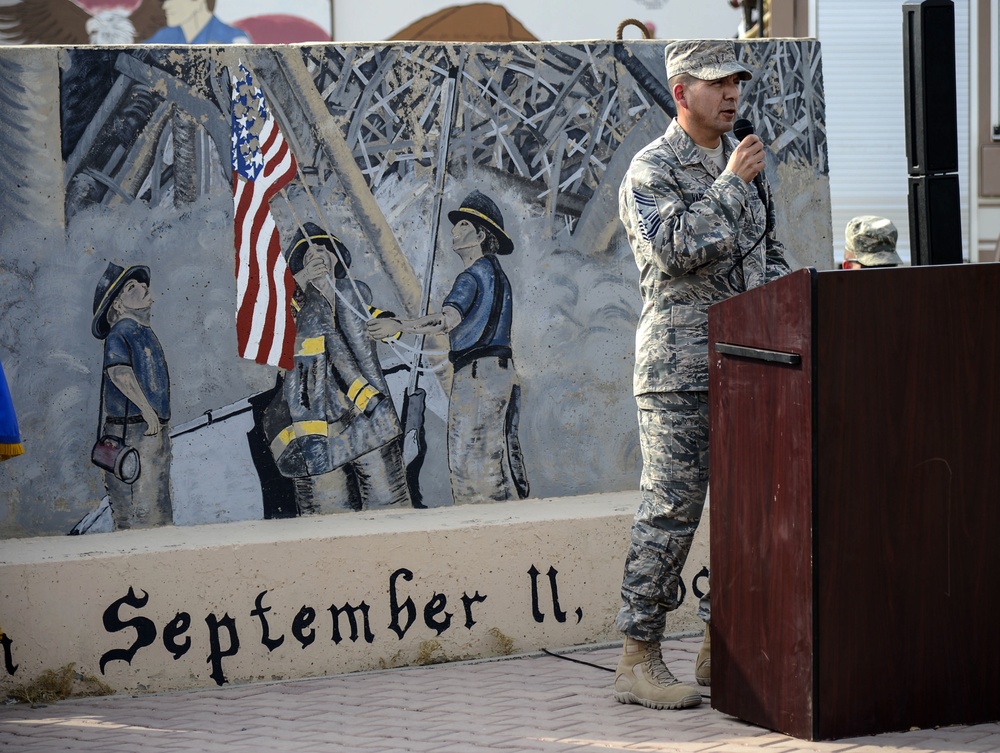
point(986, 220)
point(862, 44)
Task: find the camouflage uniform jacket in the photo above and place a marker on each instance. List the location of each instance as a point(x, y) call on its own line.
point(688, 224)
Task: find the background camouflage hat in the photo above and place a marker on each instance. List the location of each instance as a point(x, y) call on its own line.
point(707, 59)
point(872, 241)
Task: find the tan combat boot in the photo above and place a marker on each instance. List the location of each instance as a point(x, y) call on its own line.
point(703, 664)
point(642, 677)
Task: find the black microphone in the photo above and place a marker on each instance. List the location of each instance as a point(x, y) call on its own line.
point(741, 129)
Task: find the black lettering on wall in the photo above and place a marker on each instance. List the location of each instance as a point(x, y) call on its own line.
point(467, 602)
point(175, 629)
point(556, 611)
point(216, 653)
point(395, 608)
point(536, 612)
point(696, 588)
point(145, 629)
point(265, 632)
point(432, 609)
point(300, 626)
point(350, 611)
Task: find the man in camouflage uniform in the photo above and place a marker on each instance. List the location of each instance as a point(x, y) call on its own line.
point(870, 242)
point(701, 232)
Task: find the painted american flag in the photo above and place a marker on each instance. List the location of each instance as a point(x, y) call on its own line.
point(262, 165)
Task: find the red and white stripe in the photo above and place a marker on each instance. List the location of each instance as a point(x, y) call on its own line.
point(265, 331)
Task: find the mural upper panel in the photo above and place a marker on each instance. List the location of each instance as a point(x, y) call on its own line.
point(252, 282)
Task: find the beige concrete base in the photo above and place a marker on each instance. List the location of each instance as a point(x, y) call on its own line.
point(190, 607)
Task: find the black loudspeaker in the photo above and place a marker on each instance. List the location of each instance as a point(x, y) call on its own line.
point(935, 220)
point(929, 80)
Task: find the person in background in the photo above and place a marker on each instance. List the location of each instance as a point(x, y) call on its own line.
point(870, 241)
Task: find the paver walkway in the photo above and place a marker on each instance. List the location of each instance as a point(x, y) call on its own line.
point(524, 704)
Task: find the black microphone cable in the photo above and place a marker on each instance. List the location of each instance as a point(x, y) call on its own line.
point(741, 129)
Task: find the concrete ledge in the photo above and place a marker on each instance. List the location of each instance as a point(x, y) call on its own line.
point(187, 607)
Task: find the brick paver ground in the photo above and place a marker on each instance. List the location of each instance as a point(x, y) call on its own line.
point(520, 705)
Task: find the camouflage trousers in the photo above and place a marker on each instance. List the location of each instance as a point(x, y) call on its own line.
point(673, 435)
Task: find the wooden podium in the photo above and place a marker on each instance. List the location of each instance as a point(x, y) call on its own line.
point(855, 485)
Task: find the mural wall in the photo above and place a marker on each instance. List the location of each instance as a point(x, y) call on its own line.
point(245, 283)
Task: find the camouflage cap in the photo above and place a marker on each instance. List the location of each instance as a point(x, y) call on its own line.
point(872, 241)
point(706, 59)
